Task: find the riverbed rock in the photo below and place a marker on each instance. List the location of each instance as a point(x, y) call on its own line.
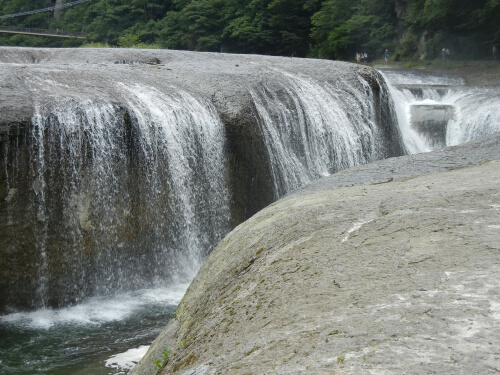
point(387, 268)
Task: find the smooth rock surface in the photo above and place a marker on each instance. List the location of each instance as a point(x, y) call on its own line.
point(388, 268)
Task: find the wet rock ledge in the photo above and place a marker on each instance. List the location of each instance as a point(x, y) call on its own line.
point(82, 244)
point(387, 268)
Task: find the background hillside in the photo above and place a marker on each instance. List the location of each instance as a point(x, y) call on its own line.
point(333, 29)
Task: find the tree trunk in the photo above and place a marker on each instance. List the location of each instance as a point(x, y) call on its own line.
point(57, 12)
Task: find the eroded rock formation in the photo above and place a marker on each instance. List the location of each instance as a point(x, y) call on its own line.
point(387, 268)
point(86, 191)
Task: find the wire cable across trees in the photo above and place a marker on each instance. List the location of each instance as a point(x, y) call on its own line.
point(61, 6)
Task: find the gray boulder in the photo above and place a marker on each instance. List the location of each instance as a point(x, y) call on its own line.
point(387, 268)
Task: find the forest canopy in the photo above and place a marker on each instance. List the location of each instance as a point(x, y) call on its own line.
point(332, 29)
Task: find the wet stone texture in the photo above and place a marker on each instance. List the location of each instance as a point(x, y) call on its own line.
point(388, 268)
point(431, 122)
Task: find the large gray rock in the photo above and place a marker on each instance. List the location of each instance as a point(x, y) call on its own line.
point(387, 268)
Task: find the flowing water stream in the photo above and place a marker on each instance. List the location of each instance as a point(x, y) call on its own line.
point(436, 111)
point(80, 339)
point(312, 130)
point(177, 176)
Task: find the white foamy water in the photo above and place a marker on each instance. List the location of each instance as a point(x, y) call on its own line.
point(104, 170)
point(478, 114)
point(125, 361)
point(190, 136)
point(97, 310)
point(475, 109)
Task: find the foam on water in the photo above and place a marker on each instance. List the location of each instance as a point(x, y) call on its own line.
point(97, 310)
point(477, 114)
point(397, 77)
point(125, 361)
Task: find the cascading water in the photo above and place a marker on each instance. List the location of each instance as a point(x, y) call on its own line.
point(314, 130)
point(438, 111)
point(79, 160)
point(141, 195)
point(177, 170)
point(478, 114)
point(192, 151)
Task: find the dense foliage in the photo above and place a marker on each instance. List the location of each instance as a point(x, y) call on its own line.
point(334, 29)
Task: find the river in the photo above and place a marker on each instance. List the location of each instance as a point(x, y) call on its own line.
point(85, 338)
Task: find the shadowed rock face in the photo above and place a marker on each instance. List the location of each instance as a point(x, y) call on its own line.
point(431, 122)
point(88, 199)
point(389, 267)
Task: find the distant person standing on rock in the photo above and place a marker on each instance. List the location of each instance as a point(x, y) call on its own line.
point(386, 55)
point(494, 52)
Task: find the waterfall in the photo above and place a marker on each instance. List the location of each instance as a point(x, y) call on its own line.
point(477, 114)
point(184, 136)
point(153, 176)
point(437, 111)
point(312, 129)
point(128, 183)
point(77, 152)
point(126, 177)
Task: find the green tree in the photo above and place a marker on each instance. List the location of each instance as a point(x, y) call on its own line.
point(198, 26)
point(334, 29)
point(468, 28)
point(342, 27)
point(275, 27)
